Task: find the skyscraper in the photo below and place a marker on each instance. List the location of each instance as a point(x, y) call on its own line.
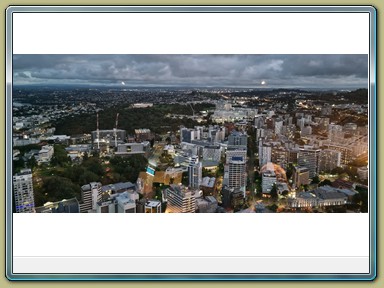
point(335, 133)
point(195, 169)
point(329, 160)
point(236, 169)
point(187, 135)
point(308, 157)
point(265, 153)
point(301, 176)
point(23, 192)
point(237, 138)
point(90, 195)
point(180, 199)
point(278, 126)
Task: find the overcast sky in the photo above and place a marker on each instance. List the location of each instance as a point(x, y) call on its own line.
point(275, 71)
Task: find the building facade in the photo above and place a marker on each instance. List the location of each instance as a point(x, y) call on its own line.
point(23, 192)
point(180, 199)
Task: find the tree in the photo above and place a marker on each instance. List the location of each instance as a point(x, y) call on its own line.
point(57, 188)
point(32, 163)
point(273, 192)
point(316, 179)
point(93, 164)
point(325, 182)
point(289, 171)
point(18, 165)
point(220, 170)
point(60, 156)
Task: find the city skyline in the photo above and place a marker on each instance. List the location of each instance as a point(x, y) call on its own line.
point(249, 71)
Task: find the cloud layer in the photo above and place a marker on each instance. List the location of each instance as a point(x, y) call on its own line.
point(306, 71)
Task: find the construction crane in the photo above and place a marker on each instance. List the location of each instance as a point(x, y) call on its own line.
point(193, 111)
point(115, 129)
point(97, 131)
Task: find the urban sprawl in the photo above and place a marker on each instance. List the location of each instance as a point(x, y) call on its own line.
point(165, 150)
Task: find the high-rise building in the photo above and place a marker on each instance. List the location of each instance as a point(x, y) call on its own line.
point(346, 151)
point(188, 135)
point(235, 169)
point(90, 194)
point(23, 192)
point(195, 169)
point(265, 153)
point(232, 198)
point(329, 160)
point(300, 123)
point(279, 156)
point(260, 134)
point(237, 138)
point(273, 174)
point(259, 121)
point(180, 199)
point(335, 133)
point(278, 126)
point(212, 153)
point(301, 176)
point(268, 178)
point(308, 157)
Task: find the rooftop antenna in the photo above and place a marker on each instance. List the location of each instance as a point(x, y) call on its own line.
point(97, 131)
point(115, 129)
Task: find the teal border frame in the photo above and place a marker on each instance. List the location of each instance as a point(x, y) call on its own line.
point(198, 9)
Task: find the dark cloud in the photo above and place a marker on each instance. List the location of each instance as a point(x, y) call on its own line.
point(198, 70)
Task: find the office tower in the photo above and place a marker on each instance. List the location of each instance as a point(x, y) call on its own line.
point(329, 160)
point(237, 138)
point(265, 153)
point(212, 153)
point(335, 133)
point(232, 198)
point(259, 121)
point(235, 169)
point(195, 169)
point(260, 134)
point(187, 135)
point(90, 195)
point(268, 177)
point(301, 176)
point(278, 126)
point(180, 199)
point(23, 192)
point(279, 156)
point(300, 123)
point(309, 158)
